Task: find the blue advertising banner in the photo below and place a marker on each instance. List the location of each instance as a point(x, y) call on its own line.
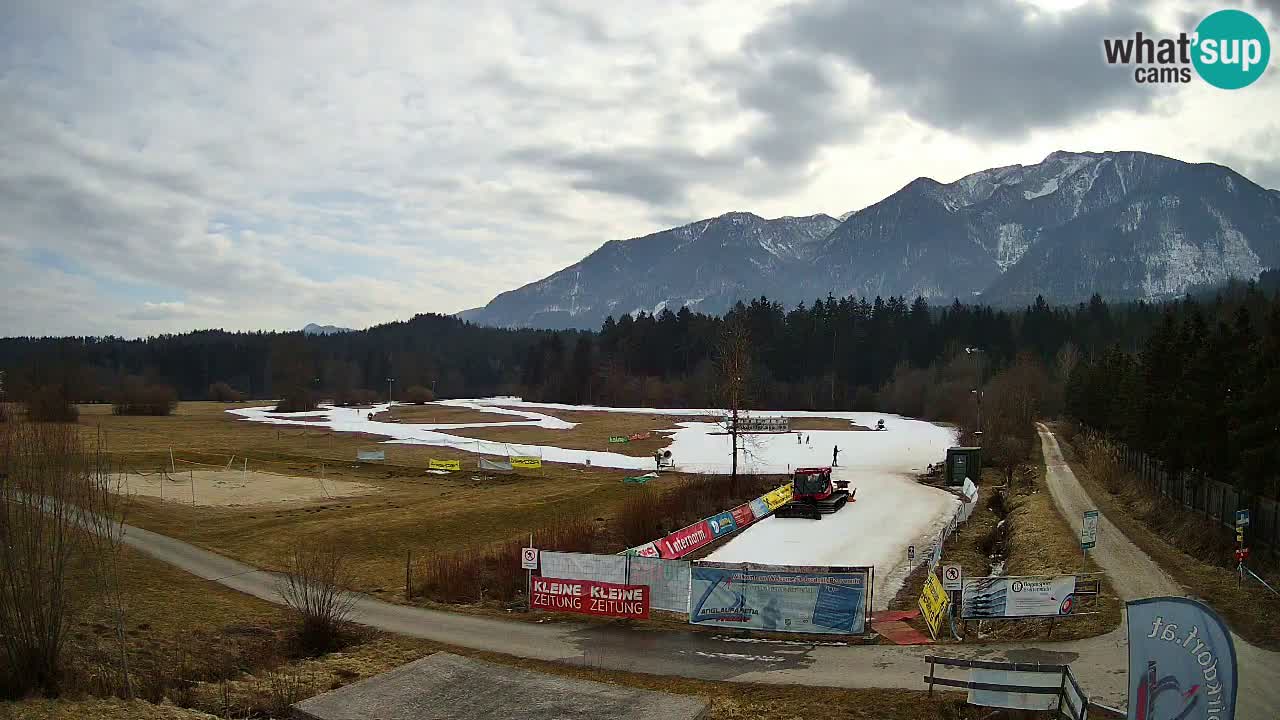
point(829, 600)
point(1182, 663)
point(722, 524)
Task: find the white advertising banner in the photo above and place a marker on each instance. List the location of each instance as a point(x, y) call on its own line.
point(1015, 597)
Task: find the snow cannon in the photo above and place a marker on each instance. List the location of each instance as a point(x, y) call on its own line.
point(814, 494)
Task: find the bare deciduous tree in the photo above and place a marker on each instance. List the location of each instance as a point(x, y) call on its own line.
point(733, 366)
point(314, 588)
point(57, 509)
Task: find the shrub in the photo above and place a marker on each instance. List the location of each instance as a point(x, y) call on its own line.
point(418, 395)
point(50, 404)
point(314, 587)
point(223, 392)
point(135, 397)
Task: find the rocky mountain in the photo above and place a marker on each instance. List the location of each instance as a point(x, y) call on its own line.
point(706, 265)
point(314, 329)
point(1124, 224)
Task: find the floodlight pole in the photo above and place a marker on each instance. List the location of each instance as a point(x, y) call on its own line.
point(389, 381)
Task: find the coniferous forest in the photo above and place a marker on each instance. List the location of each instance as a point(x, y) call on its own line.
point(1195, 382)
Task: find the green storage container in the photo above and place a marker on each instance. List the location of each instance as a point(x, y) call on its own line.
point(963, 462)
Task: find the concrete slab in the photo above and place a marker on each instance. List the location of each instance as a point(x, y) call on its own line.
point(450, 687)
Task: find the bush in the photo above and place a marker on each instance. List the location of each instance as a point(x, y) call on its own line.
point(418, 395)
point(50, 404)
point(493, 573)
point(135, 397)
point(314, 587)
point(297, 400)
point(223, 392)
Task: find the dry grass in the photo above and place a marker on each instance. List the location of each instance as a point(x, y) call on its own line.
point(1179, 541)
point(432, 413)
point(111, 709)
point(594, 428)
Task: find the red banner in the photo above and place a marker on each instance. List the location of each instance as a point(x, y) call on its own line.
point(682, 542)
point(588, 597)
point(742, 516)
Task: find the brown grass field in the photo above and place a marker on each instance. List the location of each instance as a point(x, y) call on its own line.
point(592, 432)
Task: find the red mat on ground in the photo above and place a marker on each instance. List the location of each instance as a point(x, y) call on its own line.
point(894, 615)
point(900, 633)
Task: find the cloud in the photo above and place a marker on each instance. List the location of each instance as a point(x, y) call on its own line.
point(258, 165)
point(995, 68)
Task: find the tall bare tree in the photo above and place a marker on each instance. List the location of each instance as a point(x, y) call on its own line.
point(733, 366)
point(56, 497)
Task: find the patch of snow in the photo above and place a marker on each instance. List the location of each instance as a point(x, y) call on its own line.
point(738, 656)
point(659, 307)
point(1050, 186)
point(1011, 245)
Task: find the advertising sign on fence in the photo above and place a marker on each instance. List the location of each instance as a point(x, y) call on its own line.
point(743, 516)
point(1015, 597)
point(830, 600)
point(934, 601)
point(722, 524)
point(618, 438)
point(686, 540)
point(527, 462)
point(777, 497)
point(759, 509)
point(1089, 530)
point(1182, 662)
point(435, 464)
point(646, 550)
point(587, 597)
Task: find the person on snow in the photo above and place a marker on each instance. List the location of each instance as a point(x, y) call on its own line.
point(835, 453)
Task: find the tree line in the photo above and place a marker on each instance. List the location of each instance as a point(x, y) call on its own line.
point(1192, 382)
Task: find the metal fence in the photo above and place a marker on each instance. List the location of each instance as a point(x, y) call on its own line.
point(667, 580)
point(1020, 686)
point(1215, 500)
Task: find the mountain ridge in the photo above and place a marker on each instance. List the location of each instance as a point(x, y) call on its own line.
point(1126, 224)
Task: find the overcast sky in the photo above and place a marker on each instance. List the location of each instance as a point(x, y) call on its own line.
point(168, 165)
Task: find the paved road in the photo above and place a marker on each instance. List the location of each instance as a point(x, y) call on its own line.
point(1135, 575)
point(1100, 663)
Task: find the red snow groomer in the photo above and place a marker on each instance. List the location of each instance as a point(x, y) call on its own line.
point(814, 494)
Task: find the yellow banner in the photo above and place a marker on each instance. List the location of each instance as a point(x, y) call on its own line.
point(444, 464)
point(777, 497)
point(934, 602)
point(528, 462)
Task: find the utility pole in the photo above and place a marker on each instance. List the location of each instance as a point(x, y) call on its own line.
point(389, 381)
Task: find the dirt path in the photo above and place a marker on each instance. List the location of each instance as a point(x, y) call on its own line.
point(1135, 575)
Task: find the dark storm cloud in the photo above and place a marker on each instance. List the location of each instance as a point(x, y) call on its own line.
point(657, 176)
point(799, 107)
point(990, 68)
